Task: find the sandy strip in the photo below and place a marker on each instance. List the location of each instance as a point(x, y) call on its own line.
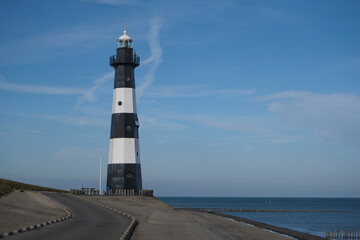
point(22, 209)
point(159, 221)
point(284, 231)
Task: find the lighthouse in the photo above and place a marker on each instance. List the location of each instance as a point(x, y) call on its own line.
point(124, 170)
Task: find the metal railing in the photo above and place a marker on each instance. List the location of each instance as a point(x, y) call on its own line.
point(136, 60)
point(119, 192)
point(112, 60)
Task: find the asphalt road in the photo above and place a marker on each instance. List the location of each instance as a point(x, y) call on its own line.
point(88, 222)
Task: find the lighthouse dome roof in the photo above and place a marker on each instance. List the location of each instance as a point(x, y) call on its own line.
point(124, 37)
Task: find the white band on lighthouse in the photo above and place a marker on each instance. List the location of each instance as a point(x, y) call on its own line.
point(124, 100)
point(124, 150)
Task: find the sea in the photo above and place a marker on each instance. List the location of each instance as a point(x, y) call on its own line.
point(320, 215)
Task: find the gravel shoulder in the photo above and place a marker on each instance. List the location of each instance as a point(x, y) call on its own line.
point(21, 209)
point(159, 221)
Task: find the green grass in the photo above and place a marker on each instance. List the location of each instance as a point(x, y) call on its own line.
point(8, 186)
point(4, 189)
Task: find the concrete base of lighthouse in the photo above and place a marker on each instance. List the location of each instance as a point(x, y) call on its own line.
point(124, 176)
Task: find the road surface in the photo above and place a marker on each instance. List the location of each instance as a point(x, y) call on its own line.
point(88, 222)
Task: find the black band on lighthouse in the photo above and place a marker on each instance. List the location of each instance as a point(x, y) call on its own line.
point(125, 56)
point(124, 125)
point(124, 176)
point(124, 76)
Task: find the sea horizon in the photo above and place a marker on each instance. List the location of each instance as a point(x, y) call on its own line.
point(245, 197)
point(313, 215)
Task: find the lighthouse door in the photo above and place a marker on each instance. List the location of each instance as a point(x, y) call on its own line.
point(130, 181)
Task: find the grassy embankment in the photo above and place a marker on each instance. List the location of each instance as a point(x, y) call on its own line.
point(8, 186)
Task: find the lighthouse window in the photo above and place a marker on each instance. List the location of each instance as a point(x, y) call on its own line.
point(128, 128)
point(119, 103)
point(137, 154)
point(130, 175)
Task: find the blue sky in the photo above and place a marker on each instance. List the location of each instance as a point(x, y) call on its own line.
point(235, 98)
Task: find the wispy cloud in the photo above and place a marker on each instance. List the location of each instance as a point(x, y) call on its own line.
point(112, 2)
point(275, 13)
point(148, 122)
point(77, 120)
point(254, 129)
point(352, 62)
point(156, 56)
point(89, 95)
point(39, 89)
point(96, 112)
point(232, 123)
point(70, 153)
point(26, 130)
point(334, 116)
point(84, 95)
point(184, 91)
point(38, 47)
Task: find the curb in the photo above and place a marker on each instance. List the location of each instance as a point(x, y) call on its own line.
point(129, 230)
point(278, 230)
point(35, 226)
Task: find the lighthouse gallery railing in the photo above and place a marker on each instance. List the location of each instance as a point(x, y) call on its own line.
point(136, 60)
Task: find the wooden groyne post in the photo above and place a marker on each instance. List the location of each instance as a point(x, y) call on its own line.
point(343, 234)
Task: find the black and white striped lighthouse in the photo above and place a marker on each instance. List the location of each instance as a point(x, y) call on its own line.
point(124, 170)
